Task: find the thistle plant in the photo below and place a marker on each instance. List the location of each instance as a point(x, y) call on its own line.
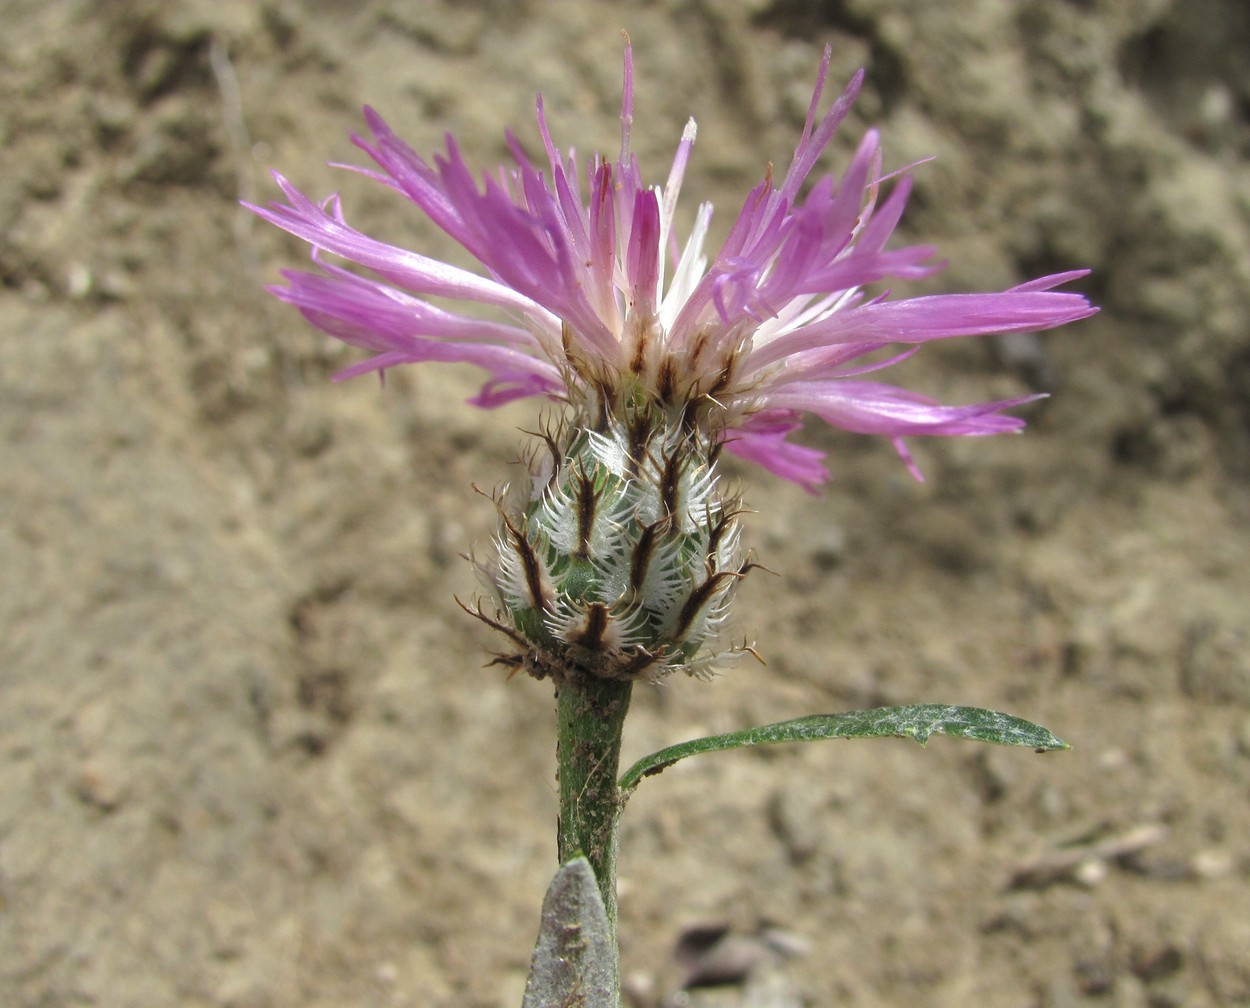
point(619, 551)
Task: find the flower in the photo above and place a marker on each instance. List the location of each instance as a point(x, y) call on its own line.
point(777, 327)
point(619, 557)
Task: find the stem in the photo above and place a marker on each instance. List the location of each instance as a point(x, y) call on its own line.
point(591, 713)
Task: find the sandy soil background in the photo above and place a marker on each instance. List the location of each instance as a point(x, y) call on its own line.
point(250, 756)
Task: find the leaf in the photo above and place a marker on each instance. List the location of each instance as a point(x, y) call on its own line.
point(574, 961)
point(917, 721)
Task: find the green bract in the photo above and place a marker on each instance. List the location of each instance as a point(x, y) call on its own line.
point(622, 558)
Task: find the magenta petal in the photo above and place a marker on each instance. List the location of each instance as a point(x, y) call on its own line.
point(940, 316)
point(409, 270)
point(762, 440)
point(873, 408)
point(570, 266)
point(642, 262)
point(390, 313)
point(1053, 281)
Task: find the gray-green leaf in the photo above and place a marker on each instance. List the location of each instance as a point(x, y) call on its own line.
point(917, 721)
point(574, 961)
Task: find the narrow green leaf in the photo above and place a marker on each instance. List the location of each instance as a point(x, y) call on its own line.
point(918, 721)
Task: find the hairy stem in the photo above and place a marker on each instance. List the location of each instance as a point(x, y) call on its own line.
point(591, 713)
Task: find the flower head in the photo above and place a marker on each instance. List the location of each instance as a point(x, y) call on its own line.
point(619, 557)
point(777, 326)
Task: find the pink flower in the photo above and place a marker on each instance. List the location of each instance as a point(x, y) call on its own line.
point(589, 311)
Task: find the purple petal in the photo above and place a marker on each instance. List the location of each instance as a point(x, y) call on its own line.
point(642, 259)
point(940, 316)
point(873, 408)
point(762, 440)
point(410, 270)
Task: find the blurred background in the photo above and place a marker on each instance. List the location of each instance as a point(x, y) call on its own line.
point(251, 756)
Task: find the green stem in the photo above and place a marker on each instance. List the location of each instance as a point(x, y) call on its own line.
point(591, 713)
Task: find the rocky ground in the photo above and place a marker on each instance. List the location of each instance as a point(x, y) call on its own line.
point(250, 755)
